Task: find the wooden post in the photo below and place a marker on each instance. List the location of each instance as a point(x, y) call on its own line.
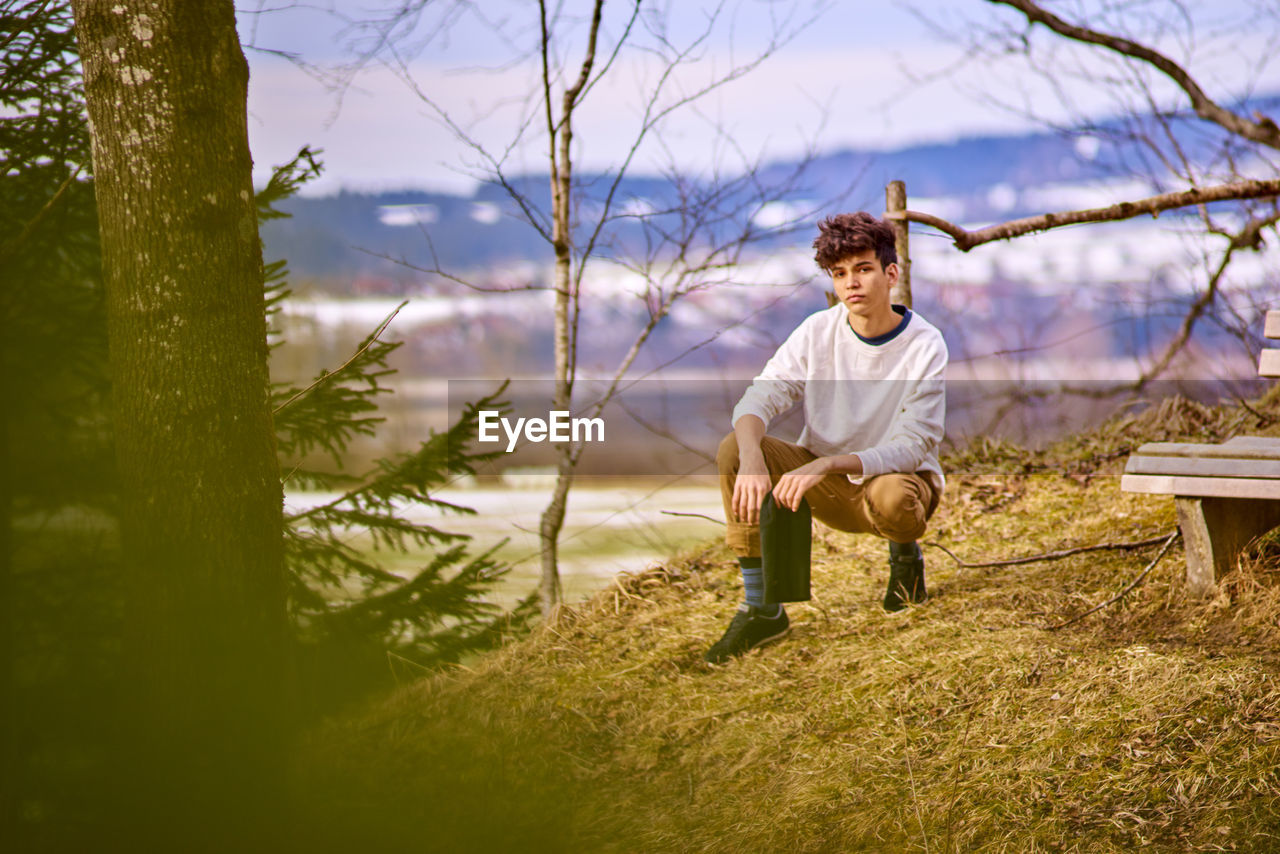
point(1214, 530)
point(895, 199)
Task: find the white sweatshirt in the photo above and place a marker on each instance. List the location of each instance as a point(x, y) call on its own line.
point(884, 402)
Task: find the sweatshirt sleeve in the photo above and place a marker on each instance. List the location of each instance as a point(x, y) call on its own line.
point(918, 426)
point(781, 383)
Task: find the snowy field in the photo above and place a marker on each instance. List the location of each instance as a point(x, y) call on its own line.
point(610, 527)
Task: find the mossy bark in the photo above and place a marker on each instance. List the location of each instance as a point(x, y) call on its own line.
point(8, 686)
point(204, 705)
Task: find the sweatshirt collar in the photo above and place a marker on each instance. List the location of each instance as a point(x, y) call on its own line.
point(891, 334)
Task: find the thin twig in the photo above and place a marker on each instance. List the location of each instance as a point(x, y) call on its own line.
point(1058, 555)
point(1248, 237)
point(699, 515)
point(636, 666)
point(955, 780)
point(32, 16)
point(625, 591)
point(326, 377)
point(1263, 131)
point(1264, 420)
point(1122, 593)
point(11, 247)
point(409, 664)
point(655, 429)
point(911, 776)
point(708, 715)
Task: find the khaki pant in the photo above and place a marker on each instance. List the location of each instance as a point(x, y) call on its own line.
point(893, 506)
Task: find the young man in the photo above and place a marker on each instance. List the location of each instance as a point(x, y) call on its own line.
point(870, 375)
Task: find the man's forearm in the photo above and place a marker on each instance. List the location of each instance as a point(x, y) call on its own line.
point(749, 430)
point(841, 464)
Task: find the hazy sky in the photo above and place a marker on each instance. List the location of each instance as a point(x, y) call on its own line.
point(866, 74)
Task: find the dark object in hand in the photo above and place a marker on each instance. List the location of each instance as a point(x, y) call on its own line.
point(785, 541)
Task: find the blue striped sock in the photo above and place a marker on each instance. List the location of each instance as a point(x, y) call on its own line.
point(752, 579)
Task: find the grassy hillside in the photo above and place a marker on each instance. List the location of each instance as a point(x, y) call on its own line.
point(960, 724)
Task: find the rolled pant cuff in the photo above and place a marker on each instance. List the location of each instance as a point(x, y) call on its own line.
point(743, 539)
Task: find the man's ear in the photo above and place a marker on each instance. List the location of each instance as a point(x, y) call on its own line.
point(892, 273)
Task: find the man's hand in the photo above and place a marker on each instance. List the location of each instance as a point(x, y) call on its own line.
point(794, 484)
point(749, 489)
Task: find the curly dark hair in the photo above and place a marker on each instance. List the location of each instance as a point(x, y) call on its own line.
point(847, 234)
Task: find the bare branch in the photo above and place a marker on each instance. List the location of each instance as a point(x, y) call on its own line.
point(437, 270)
point(545, 57)
point(584, 74)
point(533, 216)
point(663, 432)
point(1263, 131)
point(713, 226)
point(613, 55)
point(1153, 205)
point(1247, 238)
point(324, 378)
point(654, 114)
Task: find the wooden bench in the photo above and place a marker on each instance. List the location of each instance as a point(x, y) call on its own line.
point(1225, 494)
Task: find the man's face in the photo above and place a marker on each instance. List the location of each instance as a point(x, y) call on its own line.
point(863, 285)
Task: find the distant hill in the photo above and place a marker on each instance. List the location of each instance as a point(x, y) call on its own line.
point(354, 242)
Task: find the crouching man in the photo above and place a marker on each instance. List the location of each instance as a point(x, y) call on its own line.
point(870, 375)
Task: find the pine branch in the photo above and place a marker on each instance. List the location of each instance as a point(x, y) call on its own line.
point(339, 589)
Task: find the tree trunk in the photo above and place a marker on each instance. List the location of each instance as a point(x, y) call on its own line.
point(549, 591)
point(565, 347)
point(10, 767)
point(204, 702)
point(553, 516)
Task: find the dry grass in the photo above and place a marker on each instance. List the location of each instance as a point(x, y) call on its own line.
point(957, 725)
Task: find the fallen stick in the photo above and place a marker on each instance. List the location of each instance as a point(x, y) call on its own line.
point(697, 515)
point(1058, 555)
point(1122, 593)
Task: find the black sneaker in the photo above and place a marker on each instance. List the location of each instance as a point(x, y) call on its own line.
point(906, 576)
point(748, 630)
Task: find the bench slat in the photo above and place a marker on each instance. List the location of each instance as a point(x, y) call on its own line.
point(1269, 363)
point(1271, 326)
point(1220, 487)
point(1253, 442)
point(1203, 467)
point(1240, 448)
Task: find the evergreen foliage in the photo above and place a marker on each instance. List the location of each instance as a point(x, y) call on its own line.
point(59, 562)
point(343, 599)
point(59, 547)
point(52, 315)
